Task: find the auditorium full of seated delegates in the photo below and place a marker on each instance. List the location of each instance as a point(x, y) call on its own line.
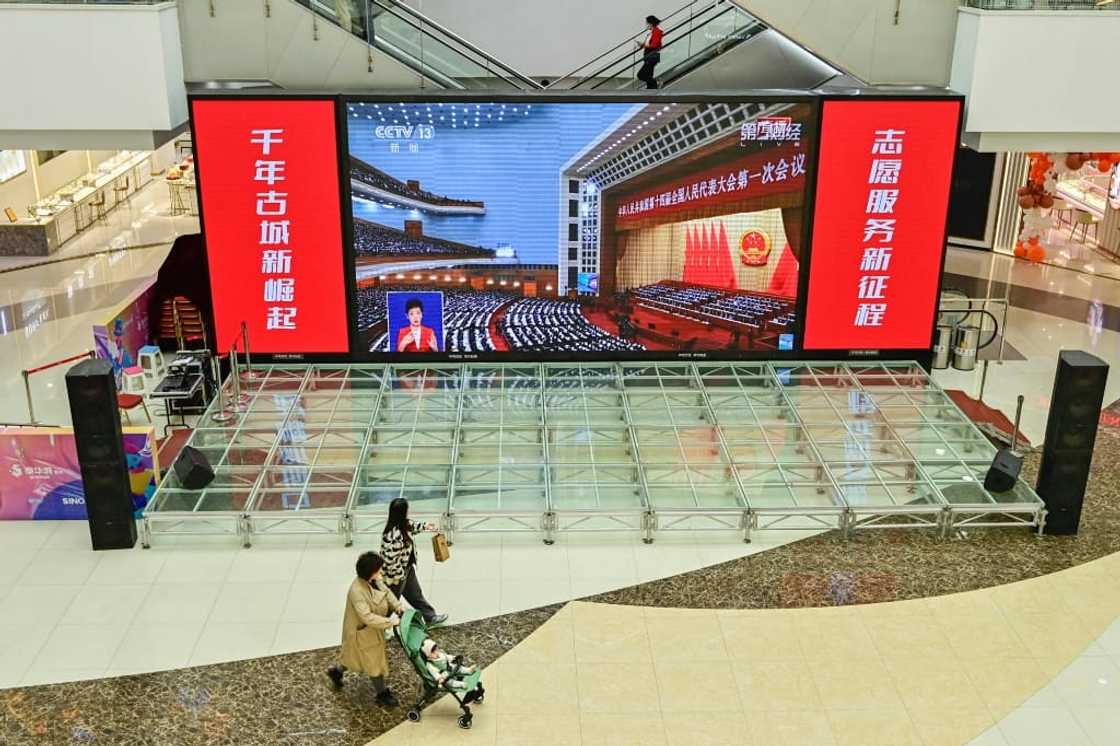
point(367, 174)
point(676, 296)
point(466, 319)
point(376, 240)
point(371, 307)
point(544, 325)
point(690, 302)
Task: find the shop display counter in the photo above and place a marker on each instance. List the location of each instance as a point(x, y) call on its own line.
point(59, 217)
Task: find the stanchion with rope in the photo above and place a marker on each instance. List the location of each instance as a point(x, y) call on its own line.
point(249, 375)
point(28, 372)
point(223, 414)
point(240, 400)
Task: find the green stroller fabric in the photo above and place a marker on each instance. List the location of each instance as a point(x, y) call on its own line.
point(411, 633)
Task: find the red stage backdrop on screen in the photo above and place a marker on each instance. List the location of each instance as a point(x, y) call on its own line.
point(270, 205)
point(879, 223)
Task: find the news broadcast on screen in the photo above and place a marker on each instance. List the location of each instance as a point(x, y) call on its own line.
point(535, 245)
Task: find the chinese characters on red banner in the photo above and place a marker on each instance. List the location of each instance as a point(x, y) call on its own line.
point(276, 263)
point(780, 169)
point(270, 205)
point(879, 223)
point(735, 181)
point(878, 232)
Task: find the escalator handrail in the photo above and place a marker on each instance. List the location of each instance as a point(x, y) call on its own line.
point(624, 43)
point(391, 7)
point(668, 75)
point(669, 41)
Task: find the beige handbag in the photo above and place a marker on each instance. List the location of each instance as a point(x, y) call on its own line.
point(440, 548)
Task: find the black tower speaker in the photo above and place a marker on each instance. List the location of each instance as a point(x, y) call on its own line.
point(1071, 430)
point(92, 390)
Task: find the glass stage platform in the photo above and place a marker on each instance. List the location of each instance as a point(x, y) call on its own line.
point(648, 447)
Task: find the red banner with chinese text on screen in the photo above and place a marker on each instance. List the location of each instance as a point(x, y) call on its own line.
point(775, 171)
point(885, 171)
point(268, 172)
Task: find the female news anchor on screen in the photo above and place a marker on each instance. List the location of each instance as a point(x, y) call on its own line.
point(416, 337)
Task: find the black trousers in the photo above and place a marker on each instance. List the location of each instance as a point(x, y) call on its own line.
point(645, 74)
point(410, 589)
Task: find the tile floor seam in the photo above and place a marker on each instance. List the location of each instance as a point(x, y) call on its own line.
point(202, 628)
point(124, 637)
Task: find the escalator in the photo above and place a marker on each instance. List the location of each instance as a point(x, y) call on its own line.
point(707, 44)
point(432, 51)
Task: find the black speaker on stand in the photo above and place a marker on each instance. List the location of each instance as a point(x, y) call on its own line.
point(92, 391)
point(1071, 431)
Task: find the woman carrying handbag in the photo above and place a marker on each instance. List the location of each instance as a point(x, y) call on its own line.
point(399, 553)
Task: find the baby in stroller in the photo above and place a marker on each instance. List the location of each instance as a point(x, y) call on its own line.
point(439, 672)
point(448, 670)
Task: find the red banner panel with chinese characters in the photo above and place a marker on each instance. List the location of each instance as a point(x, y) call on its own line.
point(780, 170)
point(268, 172)
point(885, 170)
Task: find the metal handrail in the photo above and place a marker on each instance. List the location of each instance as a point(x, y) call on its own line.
point(391, 7)
point(624, 42)
point(670, 40)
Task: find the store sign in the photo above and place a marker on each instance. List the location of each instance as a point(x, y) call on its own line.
point(775, 171)
point(268, 173)
point(882, 198)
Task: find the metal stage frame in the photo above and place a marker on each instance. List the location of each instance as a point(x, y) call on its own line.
point(557, 447)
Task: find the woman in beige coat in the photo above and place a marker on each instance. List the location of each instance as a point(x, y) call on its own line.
point(371, 608)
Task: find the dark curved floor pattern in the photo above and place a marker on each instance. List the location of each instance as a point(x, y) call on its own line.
point(286, 700)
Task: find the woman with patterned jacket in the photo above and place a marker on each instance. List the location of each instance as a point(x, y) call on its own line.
point(399, 553)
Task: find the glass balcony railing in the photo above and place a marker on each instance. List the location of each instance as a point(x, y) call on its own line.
point(693, 35)
point(421, 44)
point(1042, 4)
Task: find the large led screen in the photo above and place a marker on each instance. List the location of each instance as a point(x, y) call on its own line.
point(578, 229)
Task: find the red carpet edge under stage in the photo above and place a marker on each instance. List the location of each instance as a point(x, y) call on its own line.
point(981, 413)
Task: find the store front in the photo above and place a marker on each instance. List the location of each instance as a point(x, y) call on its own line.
point(1055, 208)
point(50, 197)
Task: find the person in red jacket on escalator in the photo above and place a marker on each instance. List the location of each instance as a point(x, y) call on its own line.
point(651, 52)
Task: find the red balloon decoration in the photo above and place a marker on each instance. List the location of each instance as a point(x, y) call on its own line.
point(1036, 253)
point(1020, 250)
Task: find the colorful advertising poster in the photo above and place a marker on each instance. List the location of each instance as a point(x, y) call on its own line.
point(40, 478)
point(882, 198)
point(268, 180)
point(575, 228)
point(120, 340)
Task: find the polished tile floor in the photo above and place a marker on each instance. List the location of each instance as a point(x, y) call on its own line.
point(1037, 333)
point(191, 601)
point(66, 613)
point(1033, 663)
point(47, 312)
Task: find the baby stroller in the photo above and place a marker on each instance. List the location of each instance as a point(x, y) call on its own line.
point(411, 634)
